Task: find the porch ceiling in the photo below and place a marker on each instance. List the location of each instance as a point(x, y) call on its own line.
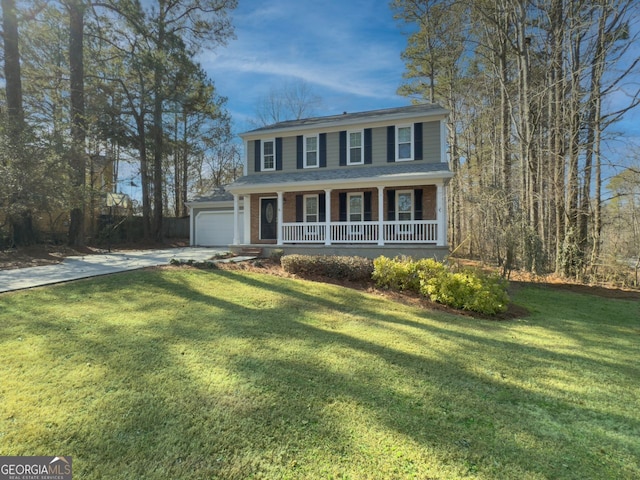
point(391, 175)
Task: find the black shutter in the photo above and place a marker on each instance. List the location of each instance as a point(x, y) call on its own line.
point(391, 144)
point(368, 149)
point(342, 197)
point(322, 208)
point(256, 155)
point(323, 150)
point(300, 151)
point(343, 148)
point(299, 208)
point(417, 202)
point(391, 205)
point(279, 153)
point(417, 141)
point(367, 206)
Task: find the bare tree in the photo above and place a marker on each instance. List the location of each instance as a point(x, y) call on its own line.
point(291, 101)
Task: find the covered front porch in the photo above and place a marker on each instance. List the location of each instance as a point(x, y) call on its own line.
point(381, 215)
point(386, 207)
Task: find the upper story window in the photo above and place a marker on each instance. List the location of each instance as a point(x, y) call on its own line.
point(404, 142)
point(354, 148)
point(268, 155)
point(311, 152)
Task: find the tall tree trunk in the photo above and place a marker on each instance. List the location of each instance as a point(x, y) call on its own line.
point(12, 73)
point(21, 222)
point(594, 135)
point(77, 160)
point(177, 183)
point(158, 129)
point(556, 122)
point(185, 168)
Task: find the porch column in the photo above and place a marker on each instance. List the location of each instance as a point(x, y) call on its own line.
point(246, 214)
point(380, 215)
point(236, 223)
point(441, 208)
point(192, 227)
point(280, 219)
point(327, 213)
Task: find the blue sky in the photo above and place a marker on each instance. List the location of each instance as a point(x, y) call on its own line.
point(347, 51)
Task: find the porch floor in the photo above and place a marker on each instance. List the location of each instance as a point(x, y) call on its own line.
point(348, 250)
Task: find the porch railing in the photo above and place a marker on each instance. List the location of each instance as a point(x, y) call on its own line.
point(417, 231)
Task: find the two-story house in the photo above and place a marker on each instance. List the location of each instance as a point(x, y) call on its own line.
point(367, 183)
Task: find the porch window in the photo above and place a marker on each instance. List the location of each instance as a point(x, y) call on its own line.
point(311, 208)
point(311, 152)
point(404, 143)
point(354, 205)
point(404, 211)
point(268, 155)
point(356, 152)
point(404, 201)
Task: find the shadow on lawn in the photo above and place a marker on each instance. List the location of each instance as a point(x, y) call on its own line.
point(153, 415)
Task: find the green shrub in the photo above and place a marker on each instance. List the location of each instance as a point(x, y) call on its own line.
point(343, 268)
point(276, 255)
point(404, 274)
point(467, 290)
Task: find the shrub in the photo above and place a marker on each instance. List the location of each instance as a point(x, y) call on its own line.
point(467, 290)
point(404, 274)
point(276, 255)
point(343, 268)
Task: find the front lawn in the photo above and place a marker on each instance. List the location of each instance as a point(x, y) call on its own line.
point(188, 374)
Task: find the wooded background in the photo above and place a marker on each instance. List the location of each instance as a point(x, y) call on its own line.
point(95, 85)
point(535, 88)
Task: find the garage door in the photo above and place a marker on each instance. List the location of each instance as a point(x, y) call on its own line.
point(216, 228)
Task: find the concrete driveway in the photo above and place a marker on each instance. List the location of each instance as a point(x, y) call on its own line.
point(74, 268)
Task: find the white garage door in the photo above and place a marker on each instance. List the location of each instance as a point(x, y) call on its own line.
point(216, 228)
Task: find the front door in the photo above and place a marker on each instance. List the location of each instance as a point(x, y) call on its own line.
point(268, 218)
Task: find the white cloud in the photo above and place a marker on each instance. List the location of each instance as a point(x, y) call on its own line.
point(350, 48)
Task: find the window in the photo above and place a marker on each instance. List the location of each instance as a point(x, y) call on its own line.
point(355, 207)
point(311, 208)
point(404, 201)
point(356, 152)
point(310, 152)
point(268, 155)
point(404, 143)
point(404, 210)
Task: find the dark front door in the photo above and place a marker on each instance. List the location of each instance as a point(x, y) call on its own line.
point(268, 218)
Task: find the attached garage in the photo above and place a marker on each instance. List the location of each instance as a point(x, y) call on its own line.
point(212, 222)
point(214, 229)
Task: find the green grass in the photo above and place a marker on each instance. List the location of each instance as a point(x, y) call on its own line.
point(188, 374)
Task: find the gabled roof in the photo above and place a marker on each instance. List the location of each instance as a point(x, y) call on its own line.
point(219, 196)
point(345, 119)
point(341, 178)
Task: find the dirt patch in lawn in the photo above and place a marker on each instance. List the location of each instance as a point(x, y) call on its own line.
point(39, 255)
